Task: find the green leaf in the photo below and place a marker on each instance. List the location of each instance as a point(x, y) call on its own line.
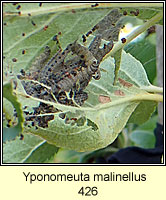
point(11, 133)
point(103, 121)
point(143, 135)
point(117, 58)
point(17, 151)
point(143, 112)
point(142, 138)
point(108, 119)
point(36, 38)
point(42, 154)
point(142, 12)
point(145, 52)
point(8, 111)
point(149, 125)
point(33, 38)
point(69, 156)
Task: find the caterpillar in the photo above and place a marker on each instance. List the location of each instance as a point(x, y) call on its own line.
point(108, 27)
point(65, 75)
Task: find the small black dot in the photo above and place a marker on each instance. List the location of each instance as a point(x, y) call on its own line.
point(23, 51)
point(123, 40)
point(8, 125)
point(14, 60)
point(21, 137)
point(125, 13)
point(74, 73)
point(95, 27)
point(84, 38)
point(18, 7)
point(45, 27)
point(95, 5)
point(105, 46)
point(22, 72)
point(55, 38)
point(33, 23)
point(88, 33)
point(26, 112)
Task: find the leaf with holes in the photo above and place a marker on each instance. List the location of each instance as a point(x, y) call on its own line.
point(106, 111)
point(98, 122)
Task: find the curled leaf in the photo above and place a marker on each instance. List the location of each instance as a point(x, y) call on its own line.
point(11, 133)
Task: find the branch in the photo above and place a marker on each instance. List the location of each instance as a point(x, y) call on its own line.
point(119, 45)
point(152, 88)
point(136, 98)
